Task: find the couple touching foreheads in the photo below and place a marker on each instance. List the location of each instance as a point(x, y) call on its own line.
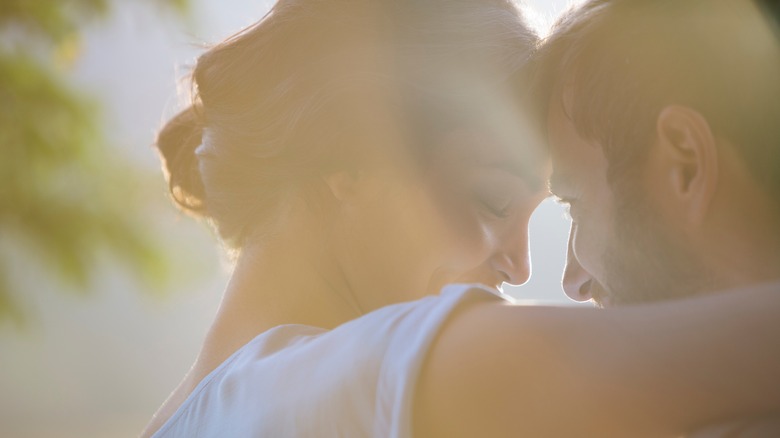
point(373, 165)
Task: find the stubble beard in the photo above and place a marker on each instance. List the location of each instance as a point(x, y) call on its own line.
point(645, 261)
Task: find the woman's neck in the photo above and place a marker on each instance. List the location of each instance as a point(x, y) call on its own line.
point(289, 279)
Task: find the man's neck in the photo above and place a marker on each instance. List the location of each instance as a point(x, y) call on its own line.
point(741, 240)
point(743, 247)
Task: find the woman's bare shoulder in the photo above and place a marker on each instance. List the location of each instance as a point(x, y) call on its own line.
point(490, 363)
point(503, 370)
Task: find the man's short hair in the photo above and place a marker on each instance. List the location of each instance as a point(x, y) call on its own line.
point(618, 63)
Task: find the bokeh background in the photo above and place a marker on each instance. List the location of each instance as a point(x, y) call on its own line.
point(105, 290)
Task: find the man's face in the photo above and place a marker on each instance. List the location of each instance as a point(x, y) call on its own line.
point(579, 180)
point(620, 249)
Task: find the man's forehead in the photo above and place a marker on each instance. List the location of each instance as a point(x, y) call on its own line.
point(572, 156)
point(562, 136)
point(560, 180)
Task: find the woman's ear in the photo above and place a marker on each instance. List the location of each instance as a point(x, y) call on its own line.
point(350, 186)
point(342, 185)
point(689, 153)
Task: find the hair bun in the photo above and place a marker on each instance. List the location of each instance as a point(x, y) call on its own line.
point(177, 143)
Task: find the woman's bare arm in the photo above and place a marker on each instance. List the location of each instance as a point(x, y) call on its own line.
point(645, 371)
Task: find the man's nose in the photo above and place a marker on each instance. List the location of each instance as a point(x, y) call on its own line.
point(576, 280)
point(512, 260)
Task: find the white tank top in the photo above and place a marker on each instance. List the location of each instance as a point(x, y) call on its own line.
point(356, 380)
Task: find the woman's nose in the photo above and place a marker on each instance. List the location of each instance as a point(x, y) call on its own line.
point(576, 280)
point(512, 260)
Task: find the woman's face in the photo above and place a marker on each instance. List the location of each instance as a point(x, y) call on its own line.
point(460, 217)
point(486, 190)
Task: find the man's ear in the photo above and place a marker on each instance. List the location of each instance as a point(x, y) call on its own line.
point(690, 155)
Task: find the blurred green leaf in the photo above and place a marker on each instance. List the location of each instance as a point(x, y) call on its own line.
point(63, 194)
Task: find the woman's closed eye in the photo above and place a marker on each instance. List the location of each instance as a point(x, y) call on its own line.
point(495, 197)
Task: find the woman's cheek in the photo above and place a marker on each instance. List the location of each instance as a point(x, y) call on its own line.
point(462, 225)
point(469, 234)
